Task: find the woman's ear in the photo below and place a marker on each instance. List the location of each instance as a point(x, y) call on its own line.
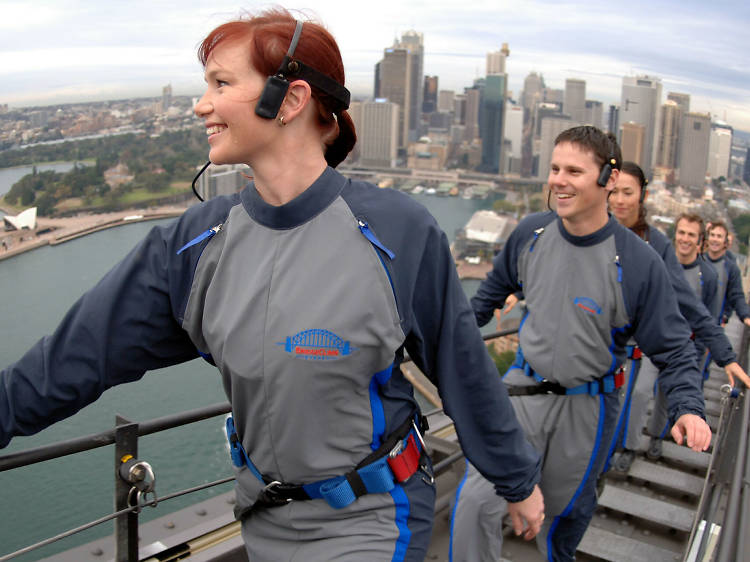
point(297, 98)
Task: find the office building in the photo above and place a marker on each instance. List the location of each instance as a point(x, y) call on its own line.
point(223, 179)
point(379, 133)
point(719, 150)
point(491, 121)
point(445, 100)
point(641, 104)
point(669, 131)
point(471, 121)
point(513, 134)
point(429, 97)
point(632, 140)
point(695, 136)
point(496, 60)
point(533, 91)
point(593, 114)
point(414, 43)
point(613, 119)
point(166, 97)
point(394, 84)
point(574, 99)
point(682, 100)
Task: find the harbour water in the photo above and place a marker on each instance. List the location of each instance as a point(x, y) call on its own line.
point(37, 289)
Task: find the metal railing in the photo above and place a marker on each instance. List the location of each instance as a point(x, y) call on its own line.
point(720, 525)
point(722, 515)
point(124, 436)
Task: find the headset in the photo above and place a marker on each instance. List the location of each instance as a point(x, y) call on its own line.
point(607, 171)
point(277, 85)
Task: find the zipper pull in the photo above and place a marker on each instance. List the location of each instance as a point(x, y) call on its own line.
point(201, 237)
point(365, 229)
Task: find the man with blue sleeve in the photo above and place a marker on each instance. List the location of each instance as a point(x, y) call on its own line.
point(590, 285)
point(730, 279)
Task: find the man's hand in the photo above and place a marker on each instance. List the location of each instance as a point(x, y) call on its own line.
point(733, 370)
point(746, 321)
point(528, 515)
point(694, 429)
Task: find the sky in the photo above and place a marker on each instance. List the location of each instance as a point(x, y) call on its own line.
point(84, 50)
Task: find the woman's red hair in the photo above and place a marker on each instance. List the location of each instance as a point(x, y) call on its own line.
point(268, 36)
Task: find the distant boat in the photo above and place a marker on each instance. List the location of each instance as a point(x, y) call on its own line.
point(417, 189)
point(430, 191)
point(467, 193)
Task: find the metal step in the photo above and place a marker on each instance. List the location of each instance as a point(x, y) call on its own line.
point(679, 453)
point(666, 477)
point(647, 508)
point(610, 546)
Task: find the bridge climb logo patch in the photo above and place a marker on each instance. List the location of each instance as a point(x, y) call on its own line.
point(587, 304)
point(317, 345)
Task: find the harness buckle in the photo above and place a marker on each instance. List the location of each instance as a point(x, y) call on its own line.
point(270, 495)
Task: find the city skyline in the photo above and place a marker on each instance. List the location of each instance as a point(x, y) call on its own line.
point(85, 51)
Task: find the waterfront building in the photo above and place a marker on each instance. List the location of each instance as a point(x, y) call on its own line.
point(223, 179)
point(471, 121)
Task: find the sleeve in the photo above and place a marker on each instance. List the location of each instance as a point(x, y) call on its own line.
point(501, 281)
point(447, 346)
point(735, 296)
point(703, 324)
point(662, 333)
point(122, 327)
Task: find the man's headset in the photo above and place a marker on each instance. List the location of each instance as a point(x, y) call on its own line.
point(606, 171)
point(277, 85)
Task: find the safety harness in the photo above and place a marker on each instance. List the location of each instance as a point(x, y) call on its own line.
point(604, 385)
point(395, 461)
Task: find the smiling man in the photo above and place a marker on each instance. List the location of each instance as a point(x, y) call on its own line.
point(590, 284)
point(730, 279)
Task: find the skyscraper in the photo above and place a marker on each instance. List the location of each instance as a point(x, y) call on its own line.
point(613, 119)
point(166, 97)
point(574, 99)
point(429, 97)
point(378, 134)
point(471, 125)
point(514, 134)
point(413, 42)
point(669, 130)
point(594, 113)
point(496, 60)
point(550, 127)
point(394, 84)
point(491, 122)
point(641, 103)
point(719, 150)
point(695, 134)
point(632, 140)
point(682, 100)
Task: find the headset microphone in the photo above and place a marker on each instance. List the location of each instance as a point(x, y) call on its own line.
point(277, 85)
point(195, 179)
point(606, 172)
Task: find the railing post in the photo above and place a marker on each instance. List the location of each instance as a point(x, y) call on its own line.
point(126, 526)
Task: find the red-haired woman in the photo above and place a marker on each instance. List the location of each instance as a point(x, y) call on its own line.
point(305, 290)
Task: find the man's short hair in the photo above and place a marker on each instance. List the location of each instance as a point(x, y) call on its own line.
point(604, 146)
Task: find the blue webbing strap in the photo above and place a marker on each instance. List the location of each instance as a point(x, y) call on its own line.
point(603, 385)
point(337, 492)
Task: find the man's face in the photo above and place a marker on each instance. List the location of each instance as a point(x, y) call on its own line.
point(579, 200)
point(686, 241)
point(717, 242)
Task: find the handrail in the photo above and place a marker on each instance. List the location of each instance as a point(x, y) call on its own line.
point(96, 440)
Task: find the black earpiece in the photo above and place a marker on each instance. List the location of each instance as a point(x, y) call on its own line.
point(277, 85)
point(606, 172)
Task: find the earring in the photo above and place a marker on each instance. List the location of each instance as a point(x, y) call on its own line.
point(281, 121)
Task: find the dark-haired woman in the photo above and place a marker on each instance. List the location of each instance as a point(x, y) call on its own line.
point(306, 289)
point(626, 203)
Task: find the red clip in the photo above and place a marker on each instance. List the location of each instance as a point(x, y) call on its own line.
point(637, 354)
point(619, 378)
point(404, 462)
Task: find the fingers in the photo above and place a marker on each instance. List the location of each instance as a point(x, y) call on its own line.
point(534, 528)
point(517, 522)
